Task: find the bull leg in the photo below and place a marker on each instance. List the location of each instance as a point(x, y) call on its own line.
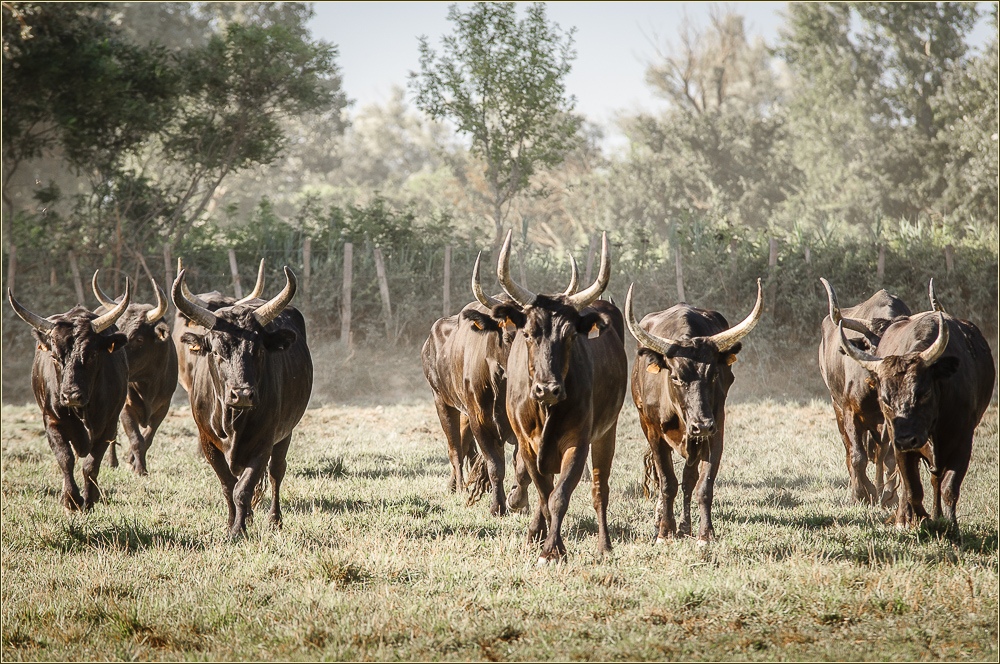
point(708, 470)
point(517, 499)
point(689, 479)
point(491, 447)
point(113, 458)
point(71, 498)
point(936, 493)
point(221, 467)
point(887, 462)
point(857, 460)
point(243, 492)
point(570, 471)
point(951, 481)
point(666, 484)
point(911, 505)
point(602, 455)
point(150, 431)
point(276, 472)
point(451, 424)
point(90, 466)
point(137, 449)
point(539, 527)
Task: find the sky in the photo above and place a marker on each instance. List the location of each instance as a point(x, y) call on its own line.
point(614, 41)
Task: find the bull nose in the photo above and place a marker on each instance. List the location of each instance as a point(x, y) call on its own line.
point(240, 397)
point(548, 393)
point(72, 399)
point(703, 428)
point(907, 442)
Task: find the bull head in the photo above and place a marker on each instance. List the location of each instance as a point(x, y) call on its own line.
point(152, 315)
point(690, 370)
point(907, 384)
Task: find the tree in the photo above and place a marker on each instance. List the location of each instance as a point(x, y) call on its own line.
point(502, 82)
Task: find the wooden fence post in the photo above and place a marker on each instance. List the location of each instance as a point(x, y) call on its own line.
point(306, 270)
point(168, 275)
point(447, 281)
point(772, 268)
point(345, 303)
point(236, 274)
point(679, 271)
point(880, 267)
point(383, 289)
point(77, 282)
point(11, 266)
point(949, 257)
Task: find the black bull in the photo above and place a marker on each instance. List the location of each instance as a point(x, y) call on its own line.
point(566, 381)
point(79, 377)
point(680, 381)
point(250, 385)
point(855, 400)
point(152, 372)
point(934, 377)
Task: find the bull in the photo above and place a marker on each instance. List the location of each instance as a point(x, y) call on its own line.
point(79, 377)
point(152, 372)
point(250, 385)
point(464, 360)
point(566, 382)
point(933, 375)
point(680, 380)
point(853, 395)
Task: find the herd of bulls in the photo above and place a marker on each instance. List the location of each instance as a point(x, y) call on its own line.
point(546, 373)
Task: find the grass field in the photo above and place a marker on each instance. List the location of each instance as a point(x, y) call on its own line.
point(377, 562)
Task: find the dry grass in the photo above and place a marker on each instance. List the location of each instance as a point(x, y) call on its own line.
point(377, 562)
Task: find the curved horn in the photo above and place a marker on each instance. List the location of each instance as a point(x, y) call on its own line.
point(585, 297)
point(268, 311)
point(102, 297)
point(869, 362)
point(935, 305)
point(196, 313)
point(936, 350)
point(854, 324)
point(729, 338)
point(156, 314)
point(661, 345)
point(487, 301)
point(258, 288)
point(105, 321)
point(191, 297)
point(574, 277)
point(29, 317)
point(521, 296)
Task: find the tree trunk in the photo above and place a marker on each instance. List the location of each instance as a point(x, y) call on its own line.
point(345, 303)
point(447, 282)
point(383, 289)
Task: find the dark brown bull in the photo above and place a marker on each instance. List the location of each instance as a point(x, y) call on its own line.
point(566, 381)
point(212, 301)
point(79, 378)
point(680, 380)
point(250, 385)
point(934, 377)
point(464, 361)
point(152, 373)
point(852, 392)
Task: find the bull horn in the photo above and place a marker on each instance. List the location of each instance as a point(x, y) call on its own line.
point(587, 296)
point(661, 345)
point(836, 318)
point(935, 305)
point(30, 317)
point(520, 295)
point(869, 362)
point(936, 350)
point(487, 301)
point(258, 288)
point(268, 311)
point(102, 297)
point(574, 277)
point(104, 321)
point(156, 314)
point(191, 297)
point(729, 338)
point(196, 313)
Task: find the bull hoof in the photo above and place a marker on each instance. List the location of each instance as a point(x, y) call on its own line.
point(542, 561)
point(702, 543)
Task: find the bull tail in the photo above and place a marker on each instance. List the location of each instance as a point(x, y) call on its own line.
point(650, 480)
point(478, 483)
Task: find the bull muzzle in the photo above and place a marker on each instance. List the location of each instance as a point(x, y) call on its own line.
point(240, 397)
point(701, 428)
point(72, 398)
point(548, 393)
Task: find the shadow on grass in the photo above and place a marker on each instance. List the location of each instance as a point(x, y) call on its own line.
point(125, 536)
point(410, 506)
point(623, 532)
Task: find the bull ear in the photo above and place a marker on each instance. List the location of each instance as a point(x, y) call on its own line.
point(480, 321)
point(509, 312)
point(279, 340)
point(592, 320)
point(729, 357)
point(44, 342)
point(113, 342)
point(162, 332)
point(945, 367)
point(656, 361)
point(195, 343)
